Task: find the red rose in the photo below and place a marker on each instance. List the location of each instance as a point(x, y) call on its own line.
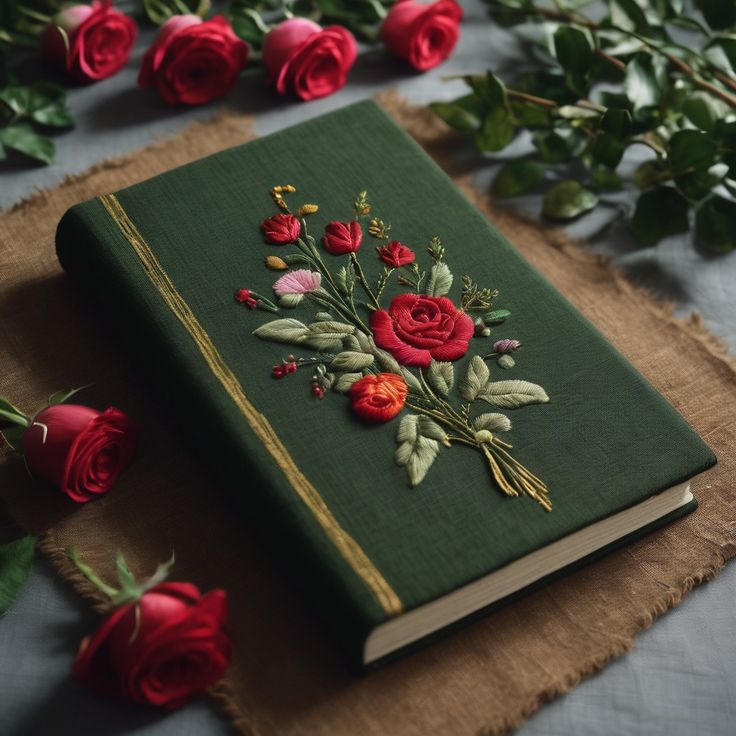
point(172, 648)
point(378, 398)
point(193, 61)
point(91, 42)
point(281, 229)
point(417, 328)
point(424, 34)
point(342, 237)
point(304, 59)
point(396, 254)
point(79, 449)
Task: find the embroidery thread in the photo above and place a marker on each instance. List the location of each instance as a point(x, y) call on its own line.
point(389, 358)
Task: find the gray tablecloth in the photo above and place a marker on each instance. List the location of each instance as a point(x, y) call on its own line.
point(680, 678)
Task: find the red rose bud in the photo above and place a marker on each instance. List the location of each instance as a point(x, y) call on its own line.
point(245, 296)
point(424, 34)
point(378, 398)
point(342, 237)
point(79, 449)
point(172, 648)
point(396, 254)
point(192, 61)
point(506, 346)
point(417, 329)
point(281, 229)
point(90, 42)
point(306, 60)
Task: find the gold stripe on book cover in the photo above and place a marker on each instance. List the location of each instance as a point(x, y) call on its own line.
point(346, 545)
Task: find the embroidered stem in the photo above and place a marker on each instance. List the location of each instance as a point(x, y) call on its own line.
point(363, 281)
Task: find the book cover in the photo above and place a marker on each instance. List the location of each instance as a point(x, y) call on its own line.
point(372, 517)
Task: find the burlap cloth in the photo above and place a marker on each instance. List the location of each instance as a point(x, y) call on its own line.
point(285, 677)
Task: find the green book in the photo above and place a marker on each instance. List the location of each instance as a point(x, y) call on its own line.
point(418, 426)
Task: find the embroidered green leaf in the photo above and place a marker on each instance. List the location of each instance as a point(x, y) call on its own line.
point(389, 363)
point(365, 343)
point(411, 380)
point(290, 300)
point(283, 330)
point(350, 361)
point(506, 361)
point(351, 343)
point(475, 380)
point(345, 381)
point(496, 317)
point(440, 279)
point(513, 394)
point(16, 558)
point(441, 376)
point(323, 317)
point(419, 440)
point(326, 335)
point(492, 422)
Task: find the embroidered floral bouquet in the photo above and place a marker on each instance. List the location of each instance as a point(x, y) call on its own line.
point(388, 358)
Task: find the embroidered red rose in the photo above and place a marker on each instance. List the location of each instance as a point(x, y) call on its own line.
point(245, 296)
point(417, 328)
point(342, 237)
point(378, 398)
point(281, 229)
point(172, 647)
point(192, 61)
point(81, 450)
point(90, 42)
point(306, 60)
point(396, 254)
point(424, 34)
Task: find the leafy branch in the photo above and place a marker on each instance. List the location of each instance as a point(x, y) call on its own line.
point(658, 74)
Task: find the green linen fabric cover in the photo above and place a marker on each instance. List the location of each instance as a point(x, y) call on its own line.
point(606, 441)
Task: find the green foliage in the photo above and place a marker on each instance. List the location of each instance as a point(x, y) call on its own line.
point(16, 558)
point(159, 11)
point(26, 114)
point(659, 74)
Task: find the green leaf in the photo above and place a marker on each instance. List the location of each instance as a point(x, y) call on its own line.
point(659, 213)
point(125, 576)
point(159, 11)
point(61, 396)
point(22, 138)
point(16, 559)
point(283, 330)
point(492, 423)
point(497, 132)
point(345, 381)
point(465, 114)
point(715, 224)
point(439, 282)
point(517, 177)
point(418, 439)
point(643, 83)
point(700, 184)
point(605, 180)
point(247, 23)
point(691, 150)
point(568, 200)
point(719, 13)
point(350, 361)
point(704, 111)
point(496, 317)
point(627, 14)
point(513, 394)
point(441, 376)
point(575, 55)
point(475, 379)
point(558, 145)
point(386, 360)
point(327, 336)
point(721, 52)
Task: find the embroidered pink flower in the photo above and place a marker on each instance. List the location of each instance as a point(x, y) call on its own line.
point(301, 281)
point(342, 237)
point(396, 254)
point(418, 328)
point(245, 296)
point(424, 34)
point(281, 229)
point(506, 346)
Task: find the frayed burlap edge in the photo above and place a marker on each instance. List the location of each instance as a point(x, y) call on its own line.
point(430, 133)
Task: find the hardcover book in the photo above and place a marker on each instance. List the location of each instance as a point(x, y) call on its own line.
point(416, 424)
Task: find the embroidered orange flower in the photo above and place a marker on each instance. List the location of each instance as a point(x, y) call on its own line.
point(378, 398)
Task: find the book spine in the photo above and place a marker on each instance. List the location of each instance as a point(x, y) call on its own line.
point(172, 366)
